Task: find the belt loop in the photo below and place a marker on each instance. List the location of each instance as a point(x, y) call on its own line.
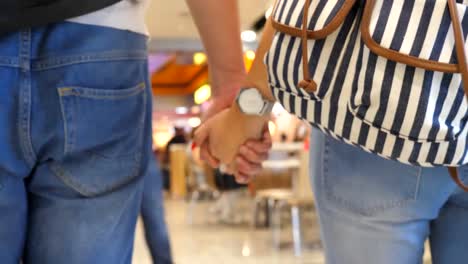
point(25, 50)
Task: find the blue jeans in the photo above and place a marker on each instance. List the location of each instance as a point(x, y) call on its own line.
point(378, 211)
point(75, 137)
point(152, 213)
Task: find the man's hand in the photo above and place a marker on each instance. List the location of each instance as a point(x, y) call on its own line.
point(251, 154)
point(221, 137)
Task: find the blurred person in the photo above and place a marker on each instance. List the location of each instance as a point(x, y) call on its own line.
point(196, 166)
point(178, 138)
point(75, 129)
point(390, 207)
point(153, 217)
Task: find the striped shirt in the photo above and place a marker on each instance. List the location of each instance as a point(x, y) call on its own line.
point(397, 111)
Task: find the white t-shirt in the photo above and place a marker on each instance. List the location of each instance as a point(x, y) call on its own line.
point(124, 15)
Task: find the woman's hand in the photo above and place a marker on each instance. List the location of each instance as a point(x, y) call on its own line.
point(221, 137)
point(251, 156)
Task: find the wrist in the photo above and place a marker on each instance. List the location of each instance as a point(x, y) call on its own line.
point(250, 125)
point(246, 118)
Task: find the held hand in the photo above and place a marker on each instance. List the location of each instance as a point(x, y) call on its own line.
point(221, 136)
point(251, 156)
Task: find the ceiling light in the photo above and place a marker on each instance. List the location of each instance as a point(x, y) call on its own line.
point(194, 121)
point(202, 94)
point(182, 110)
point(249, 36)
point(278, 109)
point(250, 55)
point(199, 58)
point(195, 110)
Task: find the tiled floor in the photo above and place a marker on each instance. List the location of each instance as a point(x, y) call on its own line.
point(207, 241)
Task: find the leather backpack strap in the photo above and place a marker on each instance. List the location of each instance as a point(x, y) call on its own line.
point(463, 69)
point(456, 178)
point(307, 83)
point(459, 44)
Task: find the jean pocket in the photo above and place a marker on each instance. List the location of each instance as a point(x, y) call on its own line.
point(103, 134)
point(365, 184)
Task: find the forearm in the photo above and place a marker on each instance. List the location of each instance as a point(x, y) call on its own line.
point(219, 28)
point(258, 78)
point(258, 75)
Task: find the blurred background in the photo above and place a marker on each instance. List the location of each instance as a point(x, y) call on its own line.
point(210, 218)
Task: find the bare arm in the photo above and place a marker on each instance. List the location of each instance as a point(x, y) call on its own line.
point(218, 24)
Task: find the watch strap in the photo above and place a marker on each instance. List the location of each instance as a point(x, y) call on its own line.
point(267, 107)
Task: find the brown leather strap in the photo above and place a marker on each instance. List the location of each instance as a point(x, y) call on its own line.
point(462, 68)
point(459, 44)
point(322, 33)
point(456, 178)
point(306, 84)
point(310, 86)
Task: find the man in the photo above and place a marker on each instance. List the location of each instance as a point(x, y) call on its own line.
point(75, 129)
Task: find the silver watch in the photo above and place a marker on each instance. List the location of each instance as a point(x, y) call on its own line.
point(251, 102)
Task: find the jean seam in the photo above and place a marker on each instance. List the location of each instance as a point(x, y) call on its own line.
point(66, 138)
point(101, 94)
point(60, 61)
point(418, 184)
point(9, 61)
point(24, 122)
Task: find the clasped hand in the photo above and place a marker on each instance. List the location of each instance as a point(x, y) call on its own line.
point(230, 137)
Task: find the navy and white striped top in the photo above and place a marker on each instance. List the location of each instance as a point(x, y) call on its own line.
point(397, 111)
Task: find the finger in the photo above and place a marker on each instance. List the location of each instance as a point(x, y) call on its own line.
point(263, 145)
point(247, 168)
point(206, 155)
point(201, 135)
point(242, 178)
point(258, 146)
point(250, 154)
point(266, 139)
point(229, 169)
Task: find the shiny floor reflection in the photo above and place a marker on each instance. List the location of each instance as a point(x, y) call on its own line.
point(209, 241)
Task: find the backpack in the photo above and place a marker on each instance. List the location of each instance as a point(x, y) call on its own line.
point(388, 76)
point(18, 14)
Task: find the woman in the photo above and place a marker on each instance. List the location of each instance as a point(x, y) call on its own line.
point(371, 210)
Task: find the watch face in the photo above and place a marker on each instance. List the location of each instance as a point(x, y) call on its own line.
point(250, 101)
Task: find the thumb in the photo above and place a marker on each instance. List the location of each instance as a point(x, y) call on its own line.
point(201, 135)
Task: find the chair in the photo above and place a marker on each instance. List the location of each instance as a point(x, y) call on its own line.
point(277, 200)
point(268, 197)
point(295, 204)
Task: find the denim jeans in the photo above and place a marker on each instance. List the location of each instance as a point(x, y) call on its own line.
point(75, 141)
point(378, 211)
point(152, 214)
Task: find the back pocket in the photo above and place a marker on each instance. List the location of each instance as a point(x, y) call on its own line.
point(365, 184)
point(103, 133)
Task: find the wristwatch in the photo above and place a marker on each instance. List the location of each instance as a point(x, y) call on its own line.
point(251, 102)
